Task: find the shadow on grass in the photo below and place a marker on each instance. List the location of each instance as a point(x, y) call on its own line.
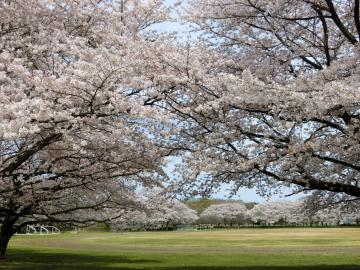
point(317, 267)
point(33, 260)
point(29, 259)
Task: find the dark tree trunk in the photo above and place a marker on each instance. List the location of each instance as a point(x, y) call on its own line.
point(4, 241)
point(6, 232)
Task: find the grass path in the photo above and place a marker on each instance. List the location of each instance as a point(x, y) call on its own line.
point(253, 249)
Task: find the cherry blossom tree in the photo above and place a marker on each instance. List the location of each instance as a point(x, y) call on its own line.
point(73, 138)
point(278, 213)
point(269, 96)
point(179, 213)
point(325, 209)
point(160, 212)
point(224, 213)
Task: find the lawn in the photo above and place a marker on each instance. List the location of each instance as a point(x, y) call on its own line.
point(253, 249)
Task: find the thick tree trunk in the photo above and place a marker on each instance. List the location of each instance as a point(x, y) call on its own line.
point(4, 241)
point(6, 232)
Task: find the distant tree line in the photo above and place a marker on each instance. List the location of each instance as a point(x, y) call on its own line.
point(224, 214)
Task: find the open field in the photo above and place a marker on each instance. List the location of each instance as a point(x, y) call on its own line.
point(253, 249)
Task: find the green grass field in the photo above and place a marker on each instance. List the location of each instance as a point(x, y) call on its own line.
point(253, 249)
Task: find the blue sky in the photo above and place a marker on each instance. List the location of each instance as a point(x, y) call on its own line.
point(170, 26)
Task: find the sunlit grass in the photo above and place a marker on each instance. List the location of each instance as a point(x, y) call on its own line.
point(269, 249)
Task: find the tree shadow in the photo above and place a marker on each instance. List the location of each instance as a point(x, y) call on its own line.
point(24, 259)
point(307, 267)
point(28, 259)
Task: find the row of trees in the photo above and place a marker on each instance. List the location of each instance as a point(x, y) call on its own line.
point(230, 214)
point(165, 214)
point(277, 213)
point(93, 99)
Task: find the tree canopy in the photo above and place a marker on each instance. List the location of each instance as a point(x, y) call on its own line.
point(269, 96)
point(74, 142)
